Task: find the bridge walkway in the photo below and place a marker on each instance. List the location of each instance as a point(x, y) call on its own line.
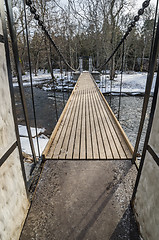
point(87, 128)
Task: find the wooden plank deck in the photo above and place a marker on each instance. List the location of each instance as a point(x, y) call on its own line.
point(87, 128)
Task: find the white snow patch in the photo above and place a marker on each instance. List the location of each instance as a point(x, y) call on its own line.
point(25, 144)
point(24, 133)
point(132, 83)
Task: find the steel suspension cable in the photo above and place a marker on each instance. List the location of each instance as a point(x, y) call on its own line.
point(121, 81)
point(31, 79)
point(19, 73)
point(152, 63)
point(53, 80)
point(154, 26)
point(67, 77)
point(55, 98)
point(61, 73)
point(111, 83)
point(105, 81)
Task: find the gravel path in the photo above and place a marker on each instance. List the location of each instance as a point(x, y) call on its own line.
point(83, 200)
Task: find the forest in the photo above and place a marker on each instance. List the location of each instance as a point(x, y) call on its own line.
point(84, 28)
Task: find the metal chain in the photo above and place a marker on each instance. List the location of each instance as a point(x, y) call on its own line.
point(43, 27)
point(130, 27)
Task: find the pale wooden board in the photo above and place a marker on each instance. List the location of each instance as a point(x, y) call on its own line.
point(63, 134)
point(101, 117)
point(83, 129)
point(93, 129)
point(48, 149)
point(77, 141)
point(117, 148)
point(123, 147)
point(102, 154)
point(88, 129)
point(73, 133)
point(59, 130)
point(64, 148)
point(124, 136)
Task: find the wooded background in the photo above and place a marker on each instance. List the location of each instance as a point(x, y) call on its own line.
point(84, 28)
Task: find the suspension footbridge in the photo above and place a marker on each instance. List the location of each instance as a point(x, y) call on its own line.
point(78, 197)
point(87, 128)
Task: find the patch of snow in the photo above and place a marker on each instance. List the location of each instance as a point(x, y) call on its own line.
point(23, 131)
point(46, 88)
point(131, 83)
point(25, 144)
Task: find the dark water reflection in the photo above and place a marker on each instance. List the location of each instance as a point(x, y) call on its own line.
point(44, 105)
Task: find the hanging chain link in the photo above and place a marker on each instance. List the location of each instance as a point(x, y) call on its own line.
point(130, 27)
point(137, 17)
point(43, 27)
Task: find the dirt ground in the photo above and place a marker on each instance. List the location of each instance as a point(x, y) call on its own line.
point(87, 200)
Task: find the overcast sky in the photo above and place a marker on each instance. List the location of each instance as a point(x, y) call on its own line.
point(137, 2)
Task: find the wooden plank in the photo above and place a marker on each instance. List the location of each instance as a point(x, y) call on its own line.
point(64, 148)
point(63, 133)
point(93, 131)
point(101, 117)
point(59, 130)
point(124, 145)
point(126, 150)
point(109, 134)
point(45, 152)
point(83, 129)
point(77, 142)
point(116, 148)
point(88, 129)
point(73, 132)
point(89, 146)
point(120, 142)
point(117, 123)
point(102, 154)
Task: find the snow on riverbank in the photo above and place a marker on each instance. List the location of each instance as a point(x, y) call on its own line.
point(133, 82)
point(42, 139)
point(26, 149)
point(62, 81)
